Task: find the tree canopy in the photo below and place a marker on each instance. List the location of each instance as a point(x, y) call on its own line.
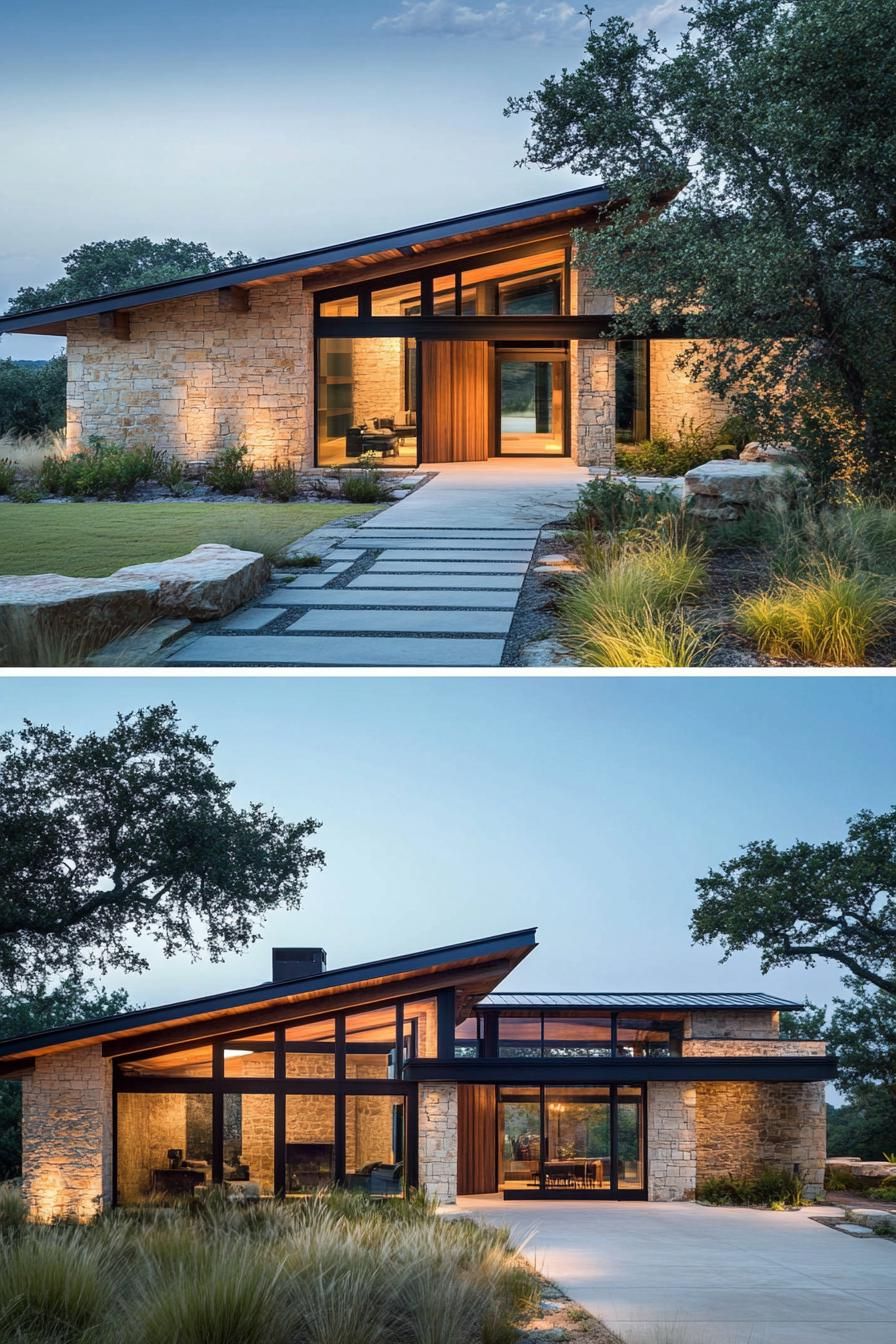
point(773, 121)
point(109, 267)
point(834, 901)
point(110, 837)
point(32, 396)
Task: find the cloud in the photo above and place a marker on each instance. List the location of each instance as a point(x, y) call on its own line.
point(512, 22)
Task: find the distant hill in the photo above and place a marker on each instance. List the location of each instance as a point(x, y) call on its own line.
point(30, 363)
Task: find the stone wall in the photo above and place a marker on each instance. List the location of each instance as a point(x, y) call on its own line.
point(671, 1140)
point(194, 377)
point(67, 1134)
point(743, 1127)
point(592, 380)
point(724, 1024)
point(757, 1047)
point(437, 1119)
point(675, 401)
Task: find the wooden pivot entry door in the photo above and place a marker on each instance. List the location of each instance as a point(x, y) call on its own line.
point(456, 383)
point(477, 1156)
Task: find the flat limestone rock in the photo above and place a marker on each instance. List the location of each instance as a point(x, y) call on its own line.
point(727, 488)
point(210, 582)
point(52, 620)
point(770, 452)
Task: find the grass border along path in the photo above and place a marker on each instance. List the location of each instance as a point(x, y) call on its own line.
point(92, 540)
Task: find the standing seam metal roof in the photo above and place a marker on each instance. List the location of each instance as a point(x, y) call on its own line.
point(646, 1000)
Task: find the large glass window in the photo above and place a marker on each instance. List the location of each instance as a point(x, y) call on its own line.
point(310, 1143)
point(639, 1036)
point(630, 1138)
point(375, 1144)
point(193, 1062)
point(248, 1145)
point(632, 410)
point(524, 286)
point(531, 405)
point(466, 1039)
point(519, 1138)
point(577, 1138)
point(577, 1037)
point(396, 301)
point(310, 1049)
point(421, 1029)
point(519, 1037)
point(164, 1145)
point(249, 1057)
point(366, 401)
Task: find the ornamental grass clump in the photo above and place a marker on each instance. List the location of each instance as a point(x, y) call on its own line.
point(55, 1287)
point(626, 609)
point(831, 619)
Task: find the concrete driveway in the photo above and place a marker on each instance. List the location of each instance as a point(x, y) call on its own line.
point(685, 1274)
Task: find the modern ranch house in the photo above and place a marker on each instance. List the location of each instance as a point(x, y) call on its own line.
point(416, 1071)
point(456, 341)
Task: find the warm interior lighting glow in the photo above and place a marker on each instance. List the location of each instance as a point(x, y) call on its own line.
point(235, 1054)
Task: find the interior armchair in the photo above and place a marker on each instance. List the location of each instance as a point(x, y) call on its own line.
point(403, 426)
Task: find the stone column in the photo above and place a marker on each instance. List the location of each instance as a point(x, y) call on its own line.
point(437, 1148)
point(67, 1135)
point(671, 1140)
point(592, 381)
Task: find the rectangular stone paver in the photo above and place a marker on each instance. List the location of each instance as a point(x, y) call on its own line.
point(401, 621)
point(442, 567)
point(380, 529)
point(433, 581)
point(455, 557)
point(412, 597)
point(442, 543)
point(350, 651)
point(252, 618)
point(311, 580)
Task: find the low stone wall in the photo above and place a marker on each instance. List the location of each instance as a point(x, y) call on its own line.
point(763, 1048)
point(724, 1024)
point(671, 1140)
point(437, 1120)
point(67, 1135)
point(675, 401)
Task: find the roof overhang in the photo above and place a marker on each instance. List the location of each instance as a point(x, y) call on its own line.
point(413, 246)
point(473, 968)
point(684, 1068)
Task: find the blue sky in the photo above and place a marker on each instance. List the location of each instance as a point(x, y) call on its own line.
point(265, 125)
point(457, 807)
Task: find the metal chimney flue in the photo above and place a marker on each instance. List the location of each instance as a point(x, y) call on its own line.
point(295, 963)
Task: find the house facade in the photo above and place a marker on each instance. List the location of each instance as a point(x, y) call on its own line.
point(459, 340)
point(416, 1071)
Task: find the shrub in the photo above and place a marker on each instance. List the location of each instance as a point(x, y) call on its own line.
point(832, 619)
point(770, 1187)
point(607, 504)
point(7, 475)
point(885, 1191)
point(366, 487)
point(625, 610)
point(739, 431)
point(104, 470)
point(170, 471)
point(835, 1178)
point(52, 1288)
point(26, 494)
point(231, 470)
point(280, 481)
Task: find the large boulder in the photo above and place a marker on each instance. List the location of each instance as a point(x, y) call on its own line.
point(722, 491)
point(211, 581)
point(51, 620)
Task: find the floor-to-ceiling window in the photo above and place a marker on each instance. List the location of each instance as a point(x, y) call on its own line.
point(288, 1111)
point(367, 401)
point(575, 1139)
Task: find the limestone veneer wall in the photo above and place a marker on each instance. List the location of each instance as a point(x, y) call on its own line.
point(592, 381)
point(67, 1134)
point(194, 377)
point(437, 1146)
point(723, 1024)
point(675, 401)
point(743, 1127)
point(671, 1140)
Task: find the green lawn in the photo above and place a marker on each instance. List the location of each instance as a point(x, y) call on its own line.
point(92, 540)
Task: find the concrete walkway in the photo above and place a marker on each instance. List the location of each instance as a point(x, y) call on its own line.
point(432, 581)
point(686, 1274)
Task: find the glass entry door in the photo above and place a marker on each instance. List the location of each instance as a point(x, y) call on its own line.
point(571, 1141)
point(531, 403)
